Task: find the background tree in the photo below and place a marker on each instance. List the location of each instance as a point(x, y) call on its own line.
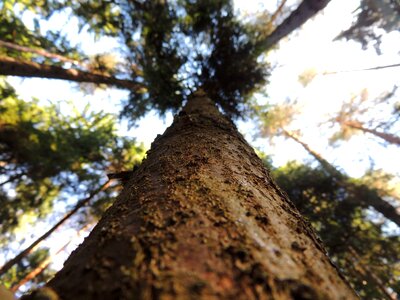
point(24, 267)
point(356, 243)
point(41, 272)
point(47, 158)
point(352, 221)
point(373, 16)
point(163, 74)
point(355, 116)
point(43, 154)
point(276, 121)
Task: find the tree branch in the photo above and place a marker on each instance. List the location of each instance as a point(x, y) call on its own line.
point(27, 250)
point(12, 67)
point(388, 137)
point(362, 192)
point(361, 70)
point(40, 52)
point(306, 10)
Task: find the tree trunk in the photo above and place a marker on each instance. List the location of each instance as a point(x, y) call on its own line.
point(12, 67)
point(390, 138)
point(201, 218)
point(365, 195)
point(306, 10)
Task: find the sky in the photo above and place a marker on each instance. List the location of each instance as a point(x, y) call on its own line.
point(312, 47)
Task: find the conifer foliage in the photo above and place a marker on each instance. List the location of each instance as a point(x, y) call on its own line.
point(166, 51)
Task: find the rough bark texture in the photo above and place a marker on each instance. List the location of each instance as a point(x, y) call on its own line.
point(13, 67)
point(201, 218)
point(364, 194)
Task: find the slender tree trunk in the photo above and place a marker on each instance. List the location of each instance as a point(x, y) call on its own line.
point(390, 138)
point(366, 272)
point(38, 270)
point(201, 218)
point(46, 262)
point(364, 194)
point(13, 67)
point(328, 167)
point(12, 178)
point(361, 70)
point(276, 13)
point(306, 10)
point(68, 215)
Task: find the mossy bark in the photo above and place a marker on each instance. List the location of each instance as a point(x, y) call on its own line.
point(201, 218)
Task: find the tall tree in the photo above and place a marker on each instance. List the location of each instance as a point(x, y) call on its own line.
point(66, 217)
point(366, 196)
point(166, 53)
point(306, 10)
point(275, 122)
point(45, 155)
point(201, 217)
point(356, 115)
point(359, 245)
point(373, 15)
point(192, 221)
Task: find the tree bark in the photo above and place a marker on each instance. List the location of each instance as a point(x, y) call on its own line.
point(13, 67)
point(306, 10)
point(201, 218)
point(363, 192)
point(390, 138)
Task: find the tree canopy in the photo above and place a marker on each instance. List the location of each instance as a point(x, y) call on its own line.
point(373, 17)
point(359, 246)
point(54, 155)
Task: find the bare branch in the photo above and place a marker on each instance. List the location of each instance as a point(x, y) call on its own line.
point(12, 67)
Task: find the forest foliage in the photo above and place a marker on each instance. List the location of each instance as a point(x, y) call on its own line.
point(54, 154)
